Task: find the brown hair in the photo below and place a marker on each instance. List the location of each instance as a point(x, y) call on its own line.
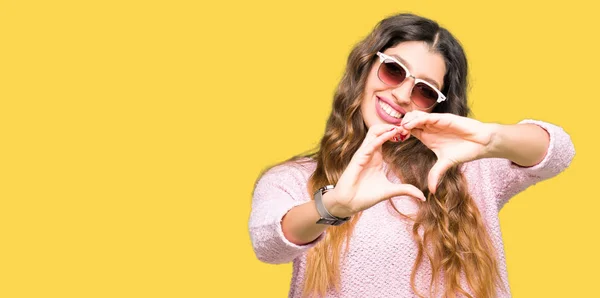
point(448, 228)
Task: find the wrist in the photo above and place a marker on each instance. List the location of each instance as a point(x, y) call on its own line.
point(331, 202)
point(494, 147)
point(524, 144)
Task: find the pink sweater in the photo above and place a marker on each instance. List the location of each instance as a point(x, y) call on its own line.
point(382, 251)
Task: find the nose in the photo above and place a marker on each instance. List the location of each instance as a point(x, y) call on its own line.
point(403, 91)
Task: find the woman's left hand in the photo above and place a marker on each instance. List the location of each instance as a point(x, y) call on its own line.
point(453, 139)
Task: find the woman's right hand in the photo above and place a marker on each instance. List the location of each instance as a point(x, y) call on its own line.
point(364, 182)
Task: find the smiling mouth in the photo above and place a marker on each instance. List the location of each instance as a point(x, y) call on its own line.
point(389, 110)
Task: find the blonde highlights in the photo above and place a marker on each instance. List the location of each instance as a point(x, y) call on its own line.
point(448, 228)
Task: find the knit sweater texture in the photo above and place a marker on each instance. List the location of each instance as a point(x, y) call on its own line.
point(382, 250)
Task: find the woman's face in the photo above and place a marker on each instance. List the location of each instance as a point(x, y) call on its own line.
point(387, 104)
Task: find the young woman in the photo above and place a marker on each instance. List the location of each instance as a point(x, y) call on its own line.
point(401, 198)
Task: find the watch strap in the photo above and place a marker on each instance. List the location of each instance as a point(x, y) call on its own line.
point(326, 217)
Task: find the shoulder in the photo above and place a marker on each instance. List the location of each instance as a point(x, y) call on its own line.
point(298, 168)
point(292, 172)
point(287, 179)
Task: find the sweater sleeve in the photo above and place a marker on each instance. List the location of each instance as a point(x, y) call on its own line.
point(504, 179)
point(276, 192)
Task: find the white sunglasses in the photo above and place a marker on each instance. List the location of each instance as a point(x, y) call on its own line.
point(391, 72)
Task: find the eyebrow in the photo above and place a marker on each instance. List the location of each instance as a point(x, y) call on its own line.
point(430, 80)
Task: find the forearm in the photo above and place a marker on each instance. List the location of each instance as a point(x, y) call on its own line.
point(299, 224)
point(523, 144)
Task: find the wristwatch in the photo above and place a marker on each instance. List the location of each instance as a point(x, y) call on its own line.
point(326, 217)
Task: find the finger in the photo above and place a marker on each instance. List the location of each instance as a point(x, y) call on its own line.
point(404, 190)
point(370, 146)
point(377, 130)
point(410, 116)
point(429, 119)
point(416, 132)
point(404, 137)
point(365, 153)
point(438, 169)
point(403, 134)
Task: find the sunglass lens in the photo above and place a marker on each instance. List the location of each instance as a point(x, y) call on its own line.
point(391, 73)
point(424, 96)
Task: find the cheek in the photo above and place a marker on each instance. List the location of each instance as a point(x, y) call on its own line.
point(368, 97)
point(373, 83)
point(367, 110)
point(364, 105)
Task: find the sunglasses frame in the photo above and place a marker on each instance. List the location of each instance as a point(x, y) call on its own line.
point(383, 57)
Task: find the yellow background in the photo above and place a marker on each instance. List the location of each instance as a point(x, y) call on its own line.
point(132, 133)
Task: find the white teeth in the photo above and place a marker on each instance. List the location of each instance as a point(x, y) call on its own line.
point(389, 110)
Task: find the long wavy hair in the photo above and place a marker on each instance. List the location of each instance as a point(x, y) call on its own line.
point(448, 228)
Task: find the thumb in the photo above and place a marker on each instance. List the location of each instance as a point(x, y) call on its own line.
point(438, 169)
point(404, 190)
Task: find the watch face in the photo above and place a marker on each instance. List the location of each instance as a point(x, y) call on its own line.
point(327, 221)
point(331, 221)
